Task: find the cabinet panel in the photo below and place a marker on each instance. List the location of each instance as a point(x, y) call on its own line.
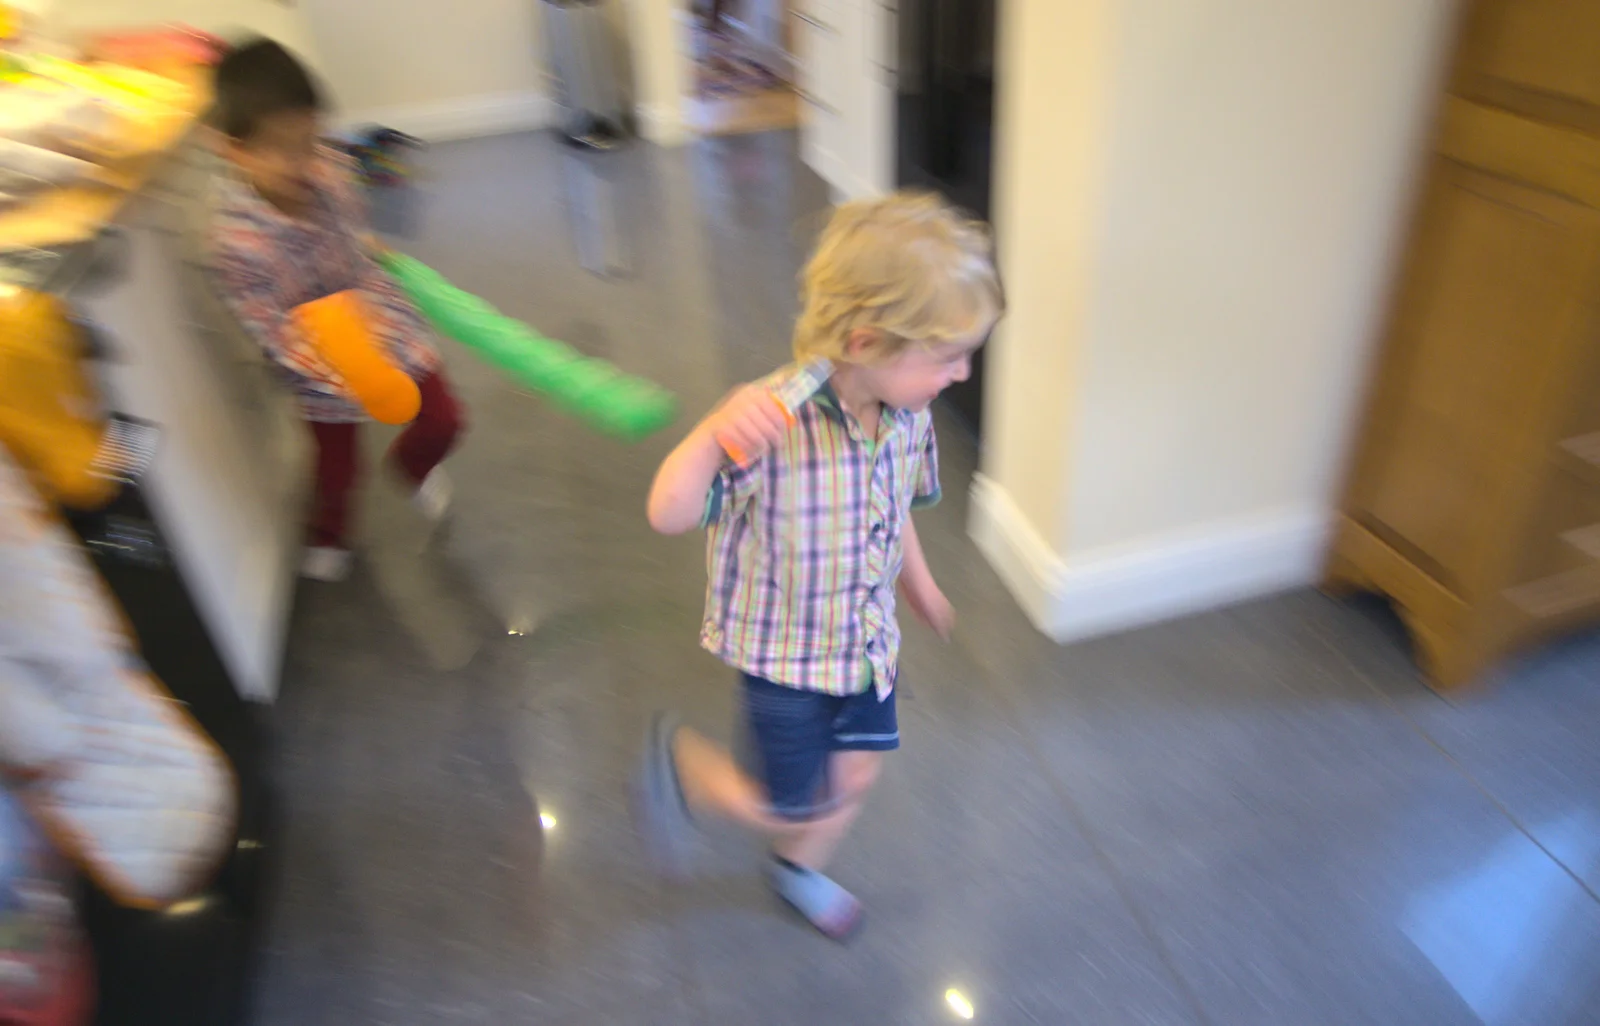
point(1475, 502)
point(1493, 302)
point(1582, 399)
point(1523, 149)
point(1564, 531)
point(1548, 46)
point(1559, 573)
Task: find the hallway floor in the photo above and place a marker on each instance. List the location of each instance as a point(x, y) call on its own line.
point(1256, 816)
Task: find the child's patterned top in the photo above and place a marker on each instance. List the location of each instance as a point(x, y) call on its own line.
point(265, 263)
point(805, 543)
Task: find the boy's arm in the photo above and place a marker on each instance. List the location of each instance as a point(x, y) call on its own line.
point(918, 586)
point(914, 571)
point(747, 421)
point(678, 496)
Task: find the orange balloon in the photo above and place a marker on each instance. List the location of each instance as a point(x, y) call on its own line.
point(339, 328)
point(50, 416)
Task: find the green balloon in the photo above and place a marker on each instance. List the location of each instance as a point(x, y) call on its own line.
point(592, 390)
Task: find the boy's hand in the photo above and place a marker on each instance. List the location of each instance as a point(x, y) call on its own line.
point(930, 606)
point(748, 423)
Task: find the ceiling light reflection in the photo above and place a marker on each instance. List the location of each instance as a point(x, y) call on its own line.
point(959, 1004)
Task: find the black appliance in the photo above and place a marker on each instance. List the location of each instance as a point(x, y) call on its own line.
point(190, 965)
point(944, 122)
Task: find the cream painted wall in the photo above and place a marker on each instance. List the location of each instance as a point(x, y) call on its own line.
point(1259, 162)
point(436, 69)
point(283, 22)
point(1198, 204)
point(658, 37)
point(422, 54)
point(1051, 128)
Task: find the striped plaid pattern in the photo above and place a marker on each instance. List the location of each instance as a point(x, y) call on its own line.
point(805, 544)
point(265, 263)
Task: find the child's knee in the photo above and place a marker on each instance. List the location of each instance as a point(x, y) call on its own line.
point(854, 774)
point(444, 412)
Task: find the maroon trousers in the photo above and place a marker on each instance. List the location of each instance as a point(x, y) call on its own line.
point(423, 445)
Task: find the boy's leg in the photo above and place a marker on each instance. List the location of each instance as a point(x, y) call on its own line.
point(819, 755)
point(861, 729)
point(685, 776)
point(428, 439)
point(850, 776)
point(798, 857)
point(803, 739)
point(714, 782)
point(338, 466)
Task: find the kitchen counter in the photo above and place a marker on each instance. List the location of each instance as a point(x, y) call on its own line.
point(227, 482)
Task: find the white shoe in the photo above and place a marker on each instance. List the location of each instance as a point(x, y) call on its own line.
point(432, 497)
point(325, 563)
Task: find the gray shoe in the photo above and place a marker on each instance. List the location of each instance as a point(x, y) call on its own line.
point(834, 911)
point(659, 807)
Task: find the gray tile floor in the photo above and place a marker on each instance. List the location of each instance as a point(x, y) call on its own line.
point(1256, 816)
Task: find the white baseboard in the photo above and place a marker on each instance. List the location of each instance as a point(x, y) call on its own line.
point(662, 125)
point(1126, 586)
point(466, 118)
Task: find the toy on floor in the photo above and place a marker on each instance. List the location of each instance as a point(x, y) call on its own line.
point(589, 389)
point(383, 155)
point(337, 326)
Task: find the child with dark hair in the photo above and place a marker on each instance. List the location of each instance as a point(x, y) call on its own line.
point(288, 226)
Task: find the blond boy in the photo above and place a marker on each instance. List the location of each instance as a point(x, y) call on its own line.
point(810, 530)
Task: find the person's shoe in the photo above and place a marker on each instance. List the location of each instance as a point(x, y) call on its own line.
point(433, 495)
point(832, 910)
point(327, 563)
point(659, 808)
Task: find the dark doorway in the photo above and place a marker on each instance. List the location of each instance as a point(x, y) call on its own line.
point(944, 122)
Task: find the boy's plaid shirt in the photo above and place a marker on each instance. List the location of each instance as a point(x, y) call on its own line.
point(805, 543)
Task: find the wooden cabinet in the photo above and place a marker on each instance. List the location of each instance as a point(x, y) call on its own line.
point(1474, 501)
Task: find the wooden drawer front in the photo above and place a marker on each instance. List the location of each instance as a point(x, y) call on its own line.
point(1495, 302)
point(1551, 47)
point(1559, 573)
point(1578, 441)
point(1583, 398)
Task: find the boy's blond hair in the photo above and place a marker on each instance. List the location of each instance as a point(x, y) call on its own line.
point(908, 266)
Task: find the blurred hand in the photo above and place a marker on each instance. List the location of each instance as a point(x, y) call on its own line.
point(749, 423)
point(930, 606)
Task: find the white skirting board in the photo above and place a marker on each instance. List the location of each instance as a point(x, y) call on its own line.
point(465, 118)
point(1128, 586)
point(662, 125)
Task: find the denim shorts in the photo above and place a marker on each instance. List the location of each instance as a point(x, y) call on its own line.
point(790, 735)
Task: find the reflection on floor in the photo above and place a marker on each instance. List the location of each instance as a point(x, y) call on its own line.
point(1256, 816)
